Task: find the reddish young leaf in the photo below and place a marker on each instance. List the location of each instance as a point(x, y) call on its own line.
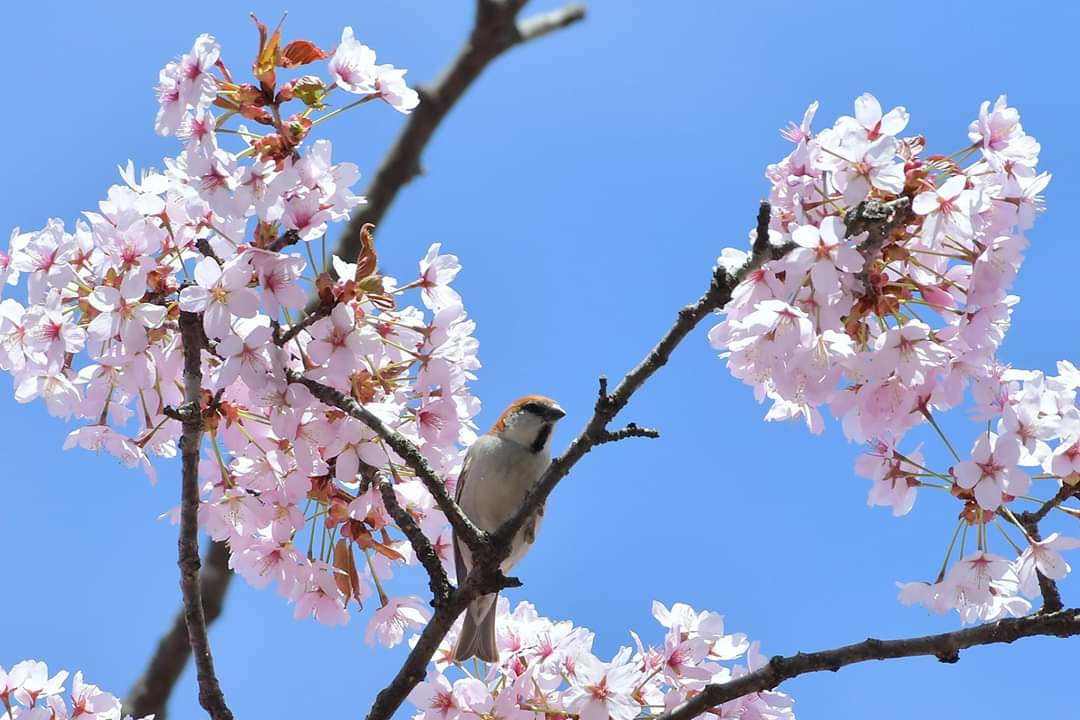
point(300, 52)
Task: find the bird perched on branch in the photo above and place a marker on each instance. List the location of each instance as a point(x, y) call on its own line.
point(499, 470)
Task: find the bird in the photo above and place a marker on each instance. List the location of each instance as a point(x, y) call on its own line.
point(500, 468)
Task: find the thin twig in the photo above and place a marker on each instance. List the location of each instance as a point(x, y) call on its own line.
point(467, 531)
point(1064, 493)
point(630, 431)
point(945, 647)
point(317, 314)
point(425, 553)
point(210, 696)
point(289, 237)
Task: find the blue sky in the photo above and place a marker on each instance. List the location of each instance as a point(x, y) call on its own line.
point(587, 182)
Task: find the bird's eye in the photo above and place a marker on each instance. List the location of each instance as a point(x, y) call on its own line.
point(533, 407)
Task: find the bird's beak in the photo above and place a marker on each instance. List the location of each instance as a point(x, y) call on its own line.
point(554, 413)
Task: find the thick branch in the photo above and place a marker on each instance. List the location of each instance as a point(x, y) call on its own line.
point(946, 647)
point(496, 30)
point(411, 454)
point(210, 695)
point(425, 553)
point(150, 694)
point(877, 220)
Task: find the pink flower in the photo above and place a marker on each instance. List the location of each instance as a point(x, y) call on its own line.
point(9, 274)
point(825, 251)
point(391, 86)
point(983, 586)
point(337, 341)
point(1001, 137)
point(946, 209)
point(215, 176)
point(220, 294)
point(869, 164)
point(801, 132)
point(30, 681)
point(171, 107)
point(869, 118)
point(389, 623)
point(437, 420)
point(89, 702)
point(247, 358)
point(992, 471)
point(599, 691)
point(319, 595)
point(123, 313)
point(304, 214)
point(353, 66)
point(1044, 557)
point(436, 273)
point(436, 698)
point(894, 479)
point(909, 351)
point(52, 331)
point(46, 256)
point(197, 86)
point(277, 275)
point(1065, 462)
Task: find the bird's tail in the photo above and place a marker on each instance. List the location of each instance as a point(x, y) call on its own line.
point(478, 631)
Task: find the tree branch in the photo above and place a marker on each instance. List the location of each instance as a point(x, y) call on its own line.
point(630, 431)
point(496, 30)
point(310, 319)
point(1065, 492)
point(472, 535)
point(945, 647)
point(425, 553)
point(544, 23)
point(210, 696)
point(150, 694)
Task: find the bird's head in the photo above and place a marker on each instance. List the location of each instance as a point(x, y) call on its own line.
point(529, 421)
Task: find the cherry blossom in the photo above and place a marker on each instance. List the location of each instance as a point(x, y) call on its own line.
point(221, 292)
point(353, 67)
point(991, 471)
point(389, 623)
point(27, 691)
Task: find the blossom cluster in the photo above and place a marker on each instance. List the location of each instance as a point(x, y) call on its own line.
point(290, 483)
point(888, 326)
point(547, 668)
point(27, 692)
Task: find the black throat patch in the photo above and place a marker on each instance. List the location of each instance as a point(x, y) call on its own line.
point(541, 438)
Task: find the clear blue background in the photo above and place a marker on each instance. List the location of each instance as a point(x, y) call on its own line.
point(588, 182)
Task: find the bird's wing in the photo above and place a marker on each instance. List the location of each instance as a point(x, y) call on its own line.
point(459, 561)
